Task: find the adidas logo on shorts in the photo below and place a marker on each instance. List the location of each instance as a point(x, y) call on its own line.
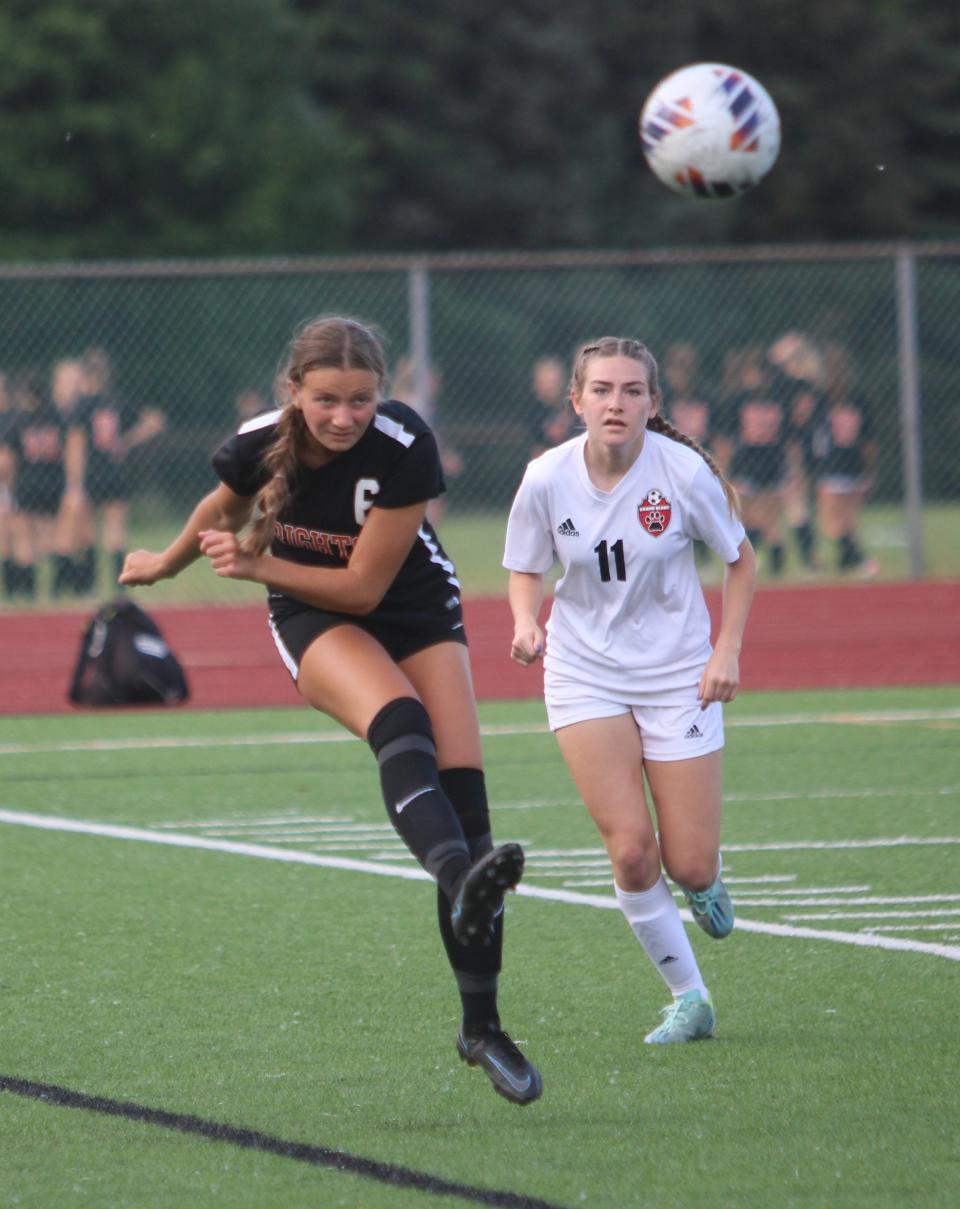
point(694, 732)
point(567, 528)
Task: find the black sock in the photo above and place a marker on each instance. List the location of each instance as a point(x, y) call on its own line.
point(119, 556)
point(26, 575)
point(849, 553)
point(755, 537)
point(480, 1013)
point(63, 574)
point(805, 540)
point(402, 740)
point(10, 577)
point(776, 559)
point(475, 966)
point(85, 570)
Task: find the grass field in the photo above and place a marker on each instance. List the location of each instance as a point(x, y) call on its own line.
point(195, 949)
point(475, 543)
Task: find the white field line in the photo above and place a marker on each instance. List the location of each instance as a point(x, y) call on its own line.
point(280, 819)
point(863, 901)
point(934, 913)
point(898, 841)
point(291, 738)
point(814, 890)
point(954, 927)
point(605, 902)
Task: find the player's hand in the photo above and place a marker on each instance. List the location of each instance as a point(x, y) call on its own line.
point(528, 645)
point(142, 567)
point(226, 557)
point(720, 679)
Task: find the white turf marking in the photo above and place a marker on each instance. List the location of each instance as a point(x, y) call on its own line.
point(605, 902)
point(281, 818)
point(914, 928)
point(291, 738)
point(898, 841)
point(876, 914)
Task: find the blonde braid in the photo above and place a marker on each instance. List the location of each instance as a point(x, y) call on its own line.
point(281, 462)
point(666, 429)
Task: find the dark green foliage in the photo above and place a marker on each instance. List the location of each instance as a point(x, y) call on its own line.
point(300, 126)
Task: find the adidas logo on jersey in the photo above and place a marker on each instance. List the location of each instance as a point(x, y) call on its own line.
point(694, 732)
point(567, 528)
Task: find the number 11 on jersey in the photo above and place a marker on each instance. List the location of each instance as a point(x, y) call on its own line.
point(619, 562)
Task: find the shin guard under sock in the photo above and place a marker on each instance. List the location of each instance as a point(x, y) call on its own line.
point(402, 740)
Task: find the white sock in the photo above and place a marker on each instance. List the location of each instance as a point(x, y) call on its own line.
point(655, 919)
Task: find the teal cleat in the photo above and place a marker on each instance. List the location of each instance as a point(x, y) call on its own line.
point(689, 1018)
point(712, 909)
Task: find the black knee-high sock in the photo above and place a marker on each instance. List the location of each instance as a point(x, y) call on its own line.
point(26, 580)
point(402, 740)
point(62, 579)
point(475, 966)
point(85, 569)
point(849, 553)
point(805, 539)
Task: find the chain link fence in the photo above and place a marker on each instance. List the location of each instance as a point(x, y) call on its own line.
point(189, 348)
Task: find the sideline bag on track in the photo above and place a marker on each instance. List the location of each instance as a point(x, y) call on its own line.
point(124, 660)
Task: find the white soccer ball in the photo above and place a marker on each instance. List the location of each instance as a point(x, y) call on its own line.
point(710, 131)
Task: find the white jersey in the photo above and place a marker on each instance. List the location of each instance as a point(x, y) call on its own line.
point(629, 619)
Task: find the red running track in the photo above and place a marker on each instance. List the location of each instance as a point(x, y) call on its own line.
point(838, 636)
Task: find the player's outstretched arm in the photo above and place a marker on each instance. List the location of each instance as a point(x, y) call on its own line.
point(222, 509)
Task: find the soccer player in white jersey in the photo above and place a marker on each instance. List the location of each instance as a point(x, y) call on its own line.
point(364, 607)
point(633, 687)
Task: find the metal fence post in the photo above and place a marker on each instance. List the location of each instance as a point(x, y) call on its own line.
point(911, 441)
point(420, 355)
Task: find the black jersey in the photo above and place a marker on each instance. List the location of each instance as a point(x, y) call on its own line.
point(691, 414)
point(37, 436)
point(104, 422)
point(37, 440)
point(841, 430)
point(395, 463)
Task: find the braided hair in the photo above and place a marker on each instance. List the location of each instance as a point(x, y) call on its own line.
point(615, 346)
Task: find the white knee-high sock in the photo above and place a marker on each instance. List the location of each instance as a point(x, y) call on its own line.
point(656, 923)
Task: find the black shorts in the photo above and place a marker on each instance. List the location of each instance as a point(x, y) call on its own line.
point(759, 468)
point(107, 483)
point(400, 635)
point(39, 494)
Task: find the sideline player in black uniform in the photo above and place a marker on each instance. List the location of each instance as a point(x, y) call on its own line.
point(365, 611)
point(845, 454)
point(103, 429)
point(756, 424)
point(34, 449)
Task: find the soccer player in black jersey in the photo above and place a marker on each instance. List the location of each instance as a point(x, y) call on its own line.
point(364, 606)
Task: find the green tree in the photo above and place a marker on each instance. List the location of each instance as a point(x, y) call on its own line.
point(142, 127)
point(514, 125)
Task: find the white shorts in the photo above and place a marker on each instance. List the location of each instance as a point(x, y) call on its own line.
point(668, 732)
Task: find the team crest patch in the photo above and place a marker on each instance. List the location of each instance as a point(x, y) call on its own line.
point(654, 512)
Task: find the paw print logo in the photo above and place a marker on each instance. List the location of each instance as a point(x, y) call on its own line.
point(654, 513)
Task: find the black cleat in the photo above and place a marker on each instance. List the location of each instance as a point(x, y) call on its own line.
point(480, 897)
point(512, 1076)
